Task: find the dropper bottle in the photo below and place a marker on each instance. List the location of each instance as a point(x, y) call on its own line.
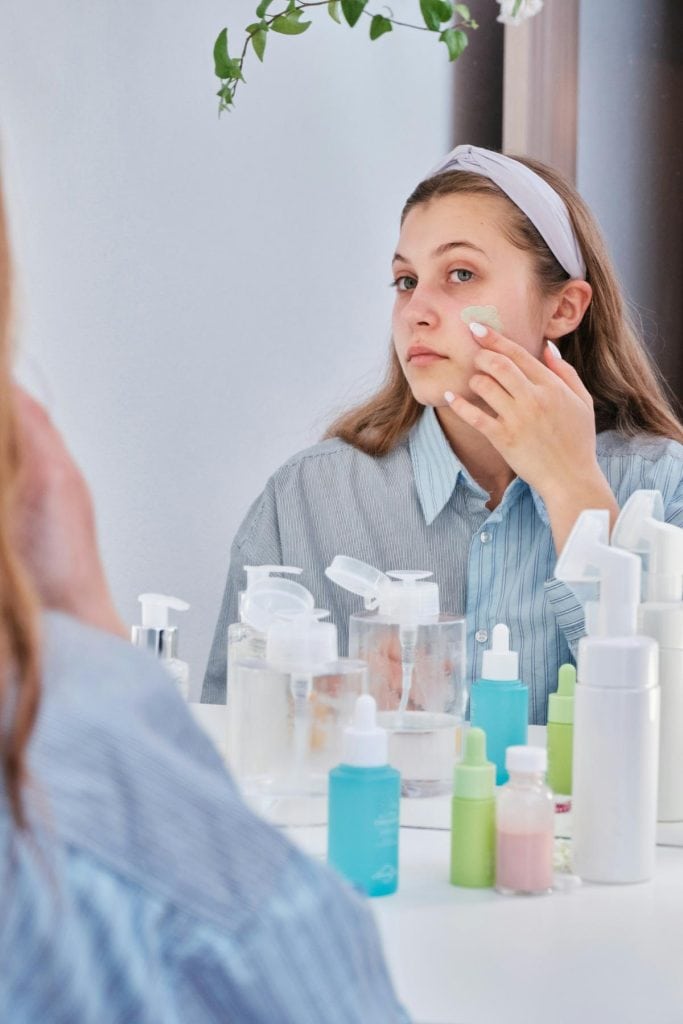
point(156, 635)
point(560, 734)
point(641, 529)
point(473, 811)
point(616, 714)
point(499, 701)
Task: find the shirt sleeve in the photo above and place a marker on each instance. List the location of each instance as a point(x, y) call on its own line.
point(257, 542)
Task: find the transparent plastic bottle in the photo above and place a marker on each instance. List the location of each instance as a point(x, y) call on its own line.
point(287, 713)
point(156, 635)
point(416, 670)
point(525, 825)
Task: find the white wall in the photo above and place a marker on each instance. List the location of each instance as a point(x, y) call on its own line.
point(197, 295)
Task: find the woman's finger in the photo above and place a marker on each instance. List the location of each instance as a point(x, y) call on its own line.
point(495, 396)
point(552, 358)
point(475, 417)
point(492, 341)
point(504, 371)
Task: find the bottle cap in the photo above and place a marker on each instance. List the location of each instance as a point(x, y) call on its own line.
point(365, 743)
point(302, 642)
point(474, 778)
point(528, 760)
point(266, 599)
point(401, 595)
point(499, 662)
point(641, 529)
point(155, 634)
point(561, 703)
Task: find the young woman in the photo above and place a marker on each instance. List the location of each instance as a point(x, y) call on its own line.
point(518, 394)
point(134, 883)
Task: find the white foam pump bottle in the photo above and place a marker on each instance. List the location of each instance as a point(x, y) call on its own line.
point(158, 636)
point(641, 529)
point(616, 722)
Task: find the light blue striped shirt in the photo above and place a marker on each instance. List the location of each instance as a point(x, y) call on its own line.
point(419, 508)
point(146, 891)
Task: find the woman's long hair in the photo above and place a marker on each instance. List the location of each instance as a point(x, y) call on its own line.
point(19, 657)
point(606, 350)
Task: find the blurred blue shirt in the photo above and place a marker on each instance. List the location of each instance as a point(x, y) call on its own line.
point(146, 891)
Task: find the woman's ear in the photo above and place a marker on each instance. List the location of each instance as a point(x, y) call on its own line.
point(567, 308)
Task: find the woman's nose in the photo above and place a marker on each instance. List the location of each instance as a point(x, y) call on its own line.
point(421, 310)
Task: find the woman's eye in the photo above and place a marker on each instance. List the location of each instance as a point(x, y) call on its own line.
point(404, 283)
point(461, 275)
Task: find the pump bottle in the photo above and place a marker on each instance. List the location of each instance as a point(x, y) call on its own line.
point(641, 529)
point(616, 714)
point(364, 796)
point(416, 659)
point(156, 635)
point(499, 701)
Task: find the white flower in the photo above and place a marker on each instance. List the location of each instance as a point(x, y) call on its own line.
point(526, 9)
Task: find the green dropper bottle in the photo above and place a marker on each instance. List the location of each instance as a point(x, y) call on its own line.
point(473, 829)
point(561, 731)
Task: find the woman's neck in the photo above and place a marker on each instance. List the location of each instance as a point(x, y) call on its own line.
point(481, 460)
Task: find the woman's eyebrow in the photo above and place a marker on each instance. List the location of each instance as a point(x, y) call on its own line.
point(442, 249)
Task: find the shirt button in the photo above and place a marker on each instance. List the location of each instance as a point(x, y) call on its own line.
point(485, 536)
point(481, 636)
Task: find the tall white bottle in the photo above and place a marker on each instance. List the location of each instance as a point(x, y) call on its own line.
point(616, 715)
point(641, 529)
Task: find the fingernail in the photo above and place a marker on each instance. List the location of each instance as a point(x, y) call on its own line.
point(553, 348)
point(478, 330)
point(449, 396)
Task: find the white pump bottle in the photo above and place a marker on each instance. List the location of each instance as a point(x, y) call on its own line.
point(641, 529)
point(156, 635)
point(616, 721)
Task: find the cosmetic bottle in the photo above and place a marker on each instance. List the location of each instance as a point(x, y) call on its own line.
point(525, 825)
point(363, 800)
point(473, 826)
point(156, 635)
point(641, 529)
point(416, 659)
point(286, 715)
point(263, 599)
point(560, 734)
point(499, 701)
point(616, 712)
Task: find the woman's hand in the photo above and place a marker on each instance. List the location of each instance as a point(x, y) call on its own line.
point(544, 426)
point(55, 526)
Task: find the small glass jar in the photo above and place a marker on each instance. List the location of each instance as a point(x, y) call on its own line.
point(525, 825)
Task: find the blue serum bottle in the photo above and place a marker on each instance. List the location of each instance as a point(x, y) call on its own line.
point(499, 701)
point(363, 807)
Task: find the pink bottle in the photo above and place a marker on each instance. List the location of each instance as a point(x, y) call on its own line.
point(525, 825)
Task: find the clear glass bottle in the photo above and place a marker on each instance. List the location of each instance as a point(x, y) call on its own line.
point(287, 713)
point(525, 825)
point(416, 670)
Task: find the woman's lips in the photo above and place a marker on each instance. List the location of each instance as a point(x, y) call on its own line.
point(418, 355)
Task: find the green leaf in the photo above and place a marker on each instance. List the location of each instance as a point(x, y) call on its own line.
point(352, 10)
point(262, 8)
point(456, 41)
point(221, 59)
point(434, 12)
point(463, 11)
point(379, 25)
point(258, 41)
point(333, 11)
point(289, 24)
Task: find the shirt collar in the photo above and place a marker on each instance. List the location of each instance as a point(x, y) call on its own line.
point(437, 469)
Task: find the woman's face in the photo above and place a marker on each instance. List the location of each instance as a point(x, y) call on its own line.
point(452, 255)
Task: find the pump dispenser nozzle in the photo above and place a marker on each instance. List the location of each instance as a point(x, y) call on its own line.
point(266, 599)
point(641, 529)
point(155, 633)
point(587, 558)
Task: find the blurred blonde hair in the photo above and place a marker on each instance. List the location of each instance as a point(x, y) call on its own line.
point(19, 648)
point(606, 349)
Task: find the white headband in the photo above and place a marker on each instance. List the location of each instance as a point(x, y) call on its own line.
point(527, 190)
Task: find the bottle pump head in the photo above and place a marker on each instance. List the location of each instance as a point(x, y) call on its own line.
point(301, 641)
point(588, 558)
point(155, 634)
point(641, 529)
point(499, 662)
point(265, 598)
point(401, 595)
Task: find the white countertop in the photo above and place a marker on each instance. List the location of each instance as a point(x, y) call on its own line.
point(588, 955)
